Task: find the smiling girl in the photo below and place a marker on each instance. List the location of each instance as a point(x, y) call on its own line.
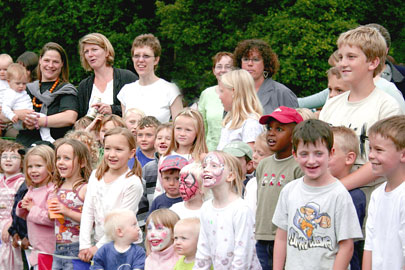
point(160, 239)
point(113, 185)
point(39, 165)
point(73, 170)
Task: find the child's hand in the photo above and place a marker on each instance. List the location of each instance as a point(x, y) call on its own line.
point(5, 236)
point(25, 243)
point(58, 208)
point(87, 254)
point(27, 203)
point(15, 119)
point(94, 123)
point(16, 238)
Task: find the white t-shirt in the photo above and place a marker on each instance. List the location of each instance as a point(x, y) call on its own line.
point(106, 97)
point(183, 212)
point(250, 195)
point(247, 133)
point(13, 100)
point(385, 228)
point(103, 197)
point(360, 115)
point(226, 239)
point(303, 212)
point(154, 99)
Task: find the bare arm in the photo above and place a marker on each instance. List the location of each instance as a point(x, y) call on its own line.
point(344, 254)
point(280, 249)
point(62, 119)
point(359, 178)
point(367, 254)
point(176, 107)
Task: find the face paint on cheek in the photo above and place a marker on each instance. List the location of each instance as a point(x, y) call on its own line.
point(188, 186)
point(159, 236)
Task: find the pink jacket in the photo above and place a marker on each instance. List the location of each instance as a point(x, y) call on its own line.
point(163, 260)
point(41, 229)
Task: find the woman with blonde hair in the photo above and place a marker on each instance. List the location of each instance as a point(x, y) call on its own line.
point(100, 89)
point(238, 95)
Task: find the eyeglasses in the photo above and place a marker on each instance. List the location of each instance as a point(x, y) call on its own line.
point(221, 67)
point(12, 157)
point(254, 60)
point(145, 56)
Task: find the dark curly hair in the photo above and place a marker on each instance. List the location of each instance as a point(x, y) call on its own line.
point(245, 48)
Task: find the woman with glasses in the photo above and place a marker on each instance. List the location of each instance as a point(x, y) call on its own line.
point(150, 94)
point(256, 57)
point(209, 105)
point(99, 91)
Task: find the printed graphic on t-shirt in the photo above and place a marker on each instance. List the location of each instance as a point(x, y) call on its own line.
point(303, 235)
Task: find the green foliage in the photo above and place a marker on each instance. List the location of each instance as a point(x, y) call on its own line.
point(302, 32)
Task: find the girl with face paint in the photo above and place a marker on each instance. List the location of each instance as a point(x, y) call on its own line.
point(159, 240)
point(191, 191)
point(226, 239)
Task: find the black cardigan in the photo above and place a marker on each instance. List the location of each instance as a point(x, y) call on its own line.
point(121, 77)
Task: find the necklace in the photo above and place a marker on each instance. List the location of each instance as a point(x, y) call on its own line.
point(50, 90)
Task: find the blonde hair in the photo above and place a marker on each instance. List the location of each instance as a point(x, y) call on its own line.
point(369, 40)
point(6, 57)
point(133, 111)
point(199, 144)
point(82, 153)
point(117, 120)
point(346, 139)
point(392, 128)
point(233, 165)
point(103, 167)
point(82, 123)
point(334, 71)
point(99, 40)
point(306, 113)
point(116, 219)
point(47, 154)
point(89, 140)
point(16, 71)
point(245, 101)
point(163, 216)
point(193, 223)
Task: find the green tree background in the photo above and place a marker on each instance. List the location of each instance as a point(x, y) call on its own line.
point(303, 33)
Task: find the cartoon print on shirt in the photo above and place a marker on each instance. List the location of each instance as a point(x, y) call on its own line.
point(309, 217)
point(306, 220)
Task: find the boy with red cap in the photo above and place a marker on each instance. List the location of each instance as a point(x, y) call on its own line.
point(170, 171)
point(272, 174)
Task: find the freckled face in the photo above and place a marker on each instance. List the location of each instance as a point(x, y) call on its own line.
point(159, 236)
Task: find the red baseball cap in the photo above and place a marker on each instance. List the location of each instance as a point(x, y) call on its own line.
point(282, 114)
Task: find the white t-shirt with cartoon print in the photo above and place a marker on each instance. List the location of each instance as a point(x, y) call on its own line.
point(315, 219)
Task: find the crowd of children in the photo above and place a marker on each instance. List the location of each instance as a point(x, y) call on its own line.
point(284, 190)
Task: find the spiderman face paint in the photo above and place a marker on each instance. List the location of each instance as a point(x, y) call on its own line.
point(213, 168)
point(188, 186)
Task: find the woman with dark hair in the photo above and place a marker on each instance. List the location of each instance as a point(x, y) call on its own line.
point(52, 95)
point(257, 57)
point(30, 61)
point(100, 89)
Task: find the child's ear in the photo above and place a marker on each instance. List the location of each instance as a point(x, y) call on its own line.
point(231, 177)
point(133, 151)
point(350, 158)
point(373, 64)
point(294, 154)
point(331, 152)
point(402, 157)
point(119, 232)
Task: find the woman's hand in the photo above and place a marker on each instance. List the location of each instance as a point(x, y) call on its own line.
point(22, 114)
point(31, 120)
point(102, 108)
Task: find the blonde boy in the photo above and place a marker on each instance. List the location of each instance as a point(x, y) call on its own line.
point(385, 228)
point(5, 61)
point(132, 118)
point(186, 233)
point(122, 228)
point(345, 151)
point(145, 139)
point(361, 53)
point(315, 215)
